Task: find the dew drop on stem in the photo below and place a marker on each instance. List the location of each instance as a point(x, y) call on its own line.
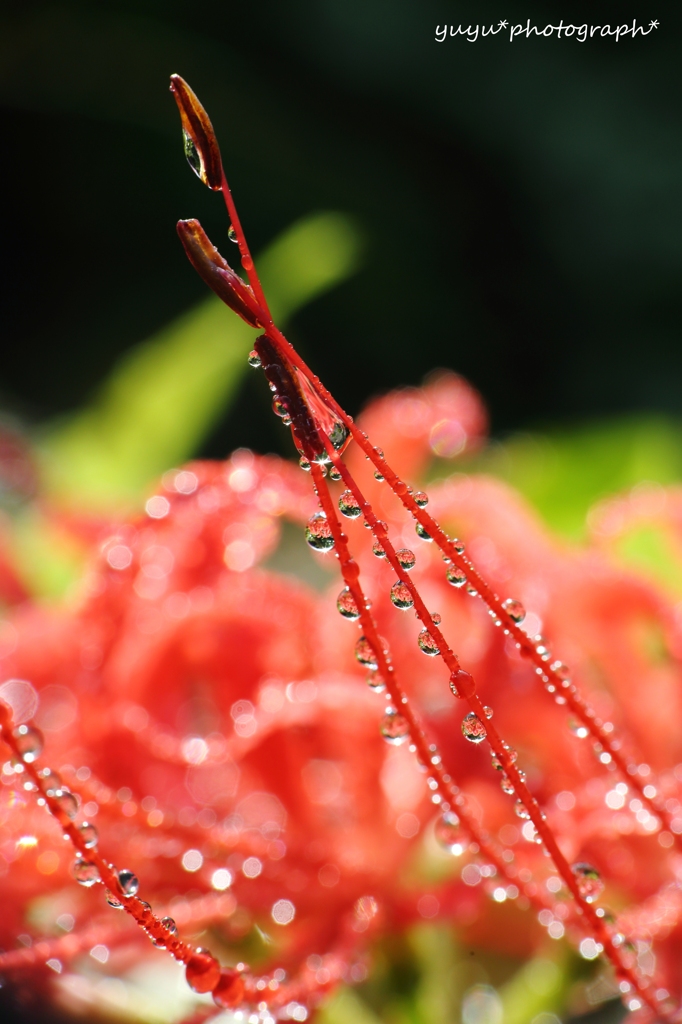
point(455, 577)
point(473, 728)
point(346, 605)
point(449, 835)
point(349, 505)
point(406, 559)
point(394, 728)
point(401, 596)
point(318, 533)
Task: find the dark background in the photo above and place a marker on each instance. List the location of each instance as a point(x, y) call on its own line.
point(520, 201)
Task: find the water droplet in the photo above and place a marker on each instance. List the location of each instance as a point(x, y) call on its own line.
point(520, 810)
point(89, 835)
point(347, 606)
point(542, 648)
point(338, 435)
point(170, 925)
point(462, 684)
point(365, 654)
point(458, 545)
point(51, 781)
point(68, 802)
point(304, 464)
point(514, 610)
point(322, 458)
point(318, 533)
point(589, 881)
point(254, 359)
point(473, 728)
point(471, 590)
point(427, 644)
point(112, 900)
point(511, 754)
point(280, 406)
point(449, 834)
point(421, 532)
point(232, 234)
point(376, 682)
point(334, 473)
point(192, 154)
point(202, 971)
point(349, 505)
point(488, 711)
point(455, 577)
point(85, 873)
point(401, 597)
point(507, 784)
point(378, 476)
point(578, 729)
point(395, 729)
point(229, 993)
point(406, 559)
point(561, 670)
point(29, 742)
point(421, 498)
point(378, 550)
point(128, 881)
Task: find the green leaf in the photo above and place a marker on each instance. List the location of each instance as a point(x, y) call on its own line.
point(564, 471)
point(162, 399)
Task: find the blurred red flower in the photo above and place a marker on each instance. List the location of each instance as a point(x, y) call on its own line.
point(210, 713)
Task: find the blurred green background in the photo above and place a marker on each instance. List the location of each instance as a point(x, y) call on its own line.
point(519, 202)
point(508, 210)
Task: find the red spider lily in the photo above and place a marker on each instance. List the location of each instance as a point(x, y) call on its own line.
point(209, 712)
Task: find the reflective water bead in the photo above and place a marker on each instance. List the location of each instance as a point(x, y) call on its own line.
point(112, 900)
point(488, 711)
point(318, 533)
point(202, 971)
point(254, 359)
point(378, 476)
point(170, 925)
point(85, 873)
point(338, 435)
point(376, 682)
point(280, 406)
point(462, 684)
point(401, 596)
point(473, 728)
point(421, 532)
point(378, 550)
point(365, 654)
point(514, 610)
point(334, 473)
point(51, 781)
point(458, 546)
point(67, 801)
point(322, 458)
point(511, 754)
point(471, 590)
point(304, 464)
point(406, 558)
point(578, 729)
point(507, 784)
point(229, 992)
point(346, 605)
point(88, 834)
point(395, 729)
point(421, 498)
point(427, 643)
point(232, 234)
point(449, 834)
point(191, 153)
point(561, 670)
point(128, 881)
point(455, 577)
point(589, 881)
point(520, 810)
point(349, 505)
point(29, 742)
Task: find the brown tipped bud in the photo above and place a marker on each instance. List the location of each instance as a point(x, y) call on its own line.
point(216, 272)
point(201, 146)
